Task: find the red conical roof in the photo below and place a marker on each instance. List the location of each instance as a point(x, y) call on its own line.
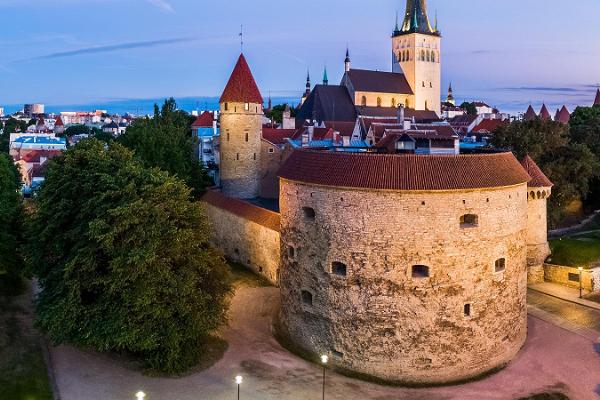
point(530, 115)
point(204, 120)
point(538, 178)
point(597, 101)
point(241, 87)
point(563, 116)
point(59, 122)
point(544, 113)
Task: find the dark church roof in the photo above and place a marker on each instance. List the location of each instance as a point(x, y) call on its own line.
point(390, 112)
point(241, 87)
point(416, 19)
point(378, 81)
point(327, 103)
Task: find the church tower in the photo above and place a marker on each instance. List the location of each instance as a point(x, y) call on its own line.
point(241, 132)
point(416, 51)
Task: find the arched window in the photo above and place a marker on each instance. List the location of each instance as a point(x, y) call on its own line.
point(426, 105)
point(307, 298)
point(539, 195)
point(469, 221)
point(428, 56)
point(400, 56)
point(379, 102)
point(363, 101)
point(420, 271)
point(500, 265)
point(432, 56)
point(309, 213)
point(532, 195)
point(394, 103)
point(246, 136)
point(338, 268)
point(422, 55)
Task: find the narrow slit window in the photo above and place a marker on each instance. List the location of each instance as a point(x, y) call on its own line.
point(467, 310)
point(500, 265)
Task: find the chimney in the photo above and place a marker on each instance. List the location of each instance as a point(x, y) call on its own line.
point(305, 140)
point(400, 114)
point(346, 141)
point(311, 132)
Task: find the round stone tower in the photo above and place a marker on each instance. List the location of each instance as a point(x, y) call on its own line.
point(538, 249)
point(241, 132)
point(407, 268)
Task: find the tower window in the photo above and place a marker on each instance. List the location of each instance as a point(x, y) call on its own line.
point(247, 106)
point(423, 83)
point(271, 150)
point(307, 298)
point(500, 265)
point(226, 106)
point(338, 268)
point(309, 213)
point(420, 271)
point(432, 56)
point(394, 103)
point(246, 136)
point(467, 310)
point(254, 156)
point(469, 221)
point(379, 102)
point(228, 135)
point(363, 101)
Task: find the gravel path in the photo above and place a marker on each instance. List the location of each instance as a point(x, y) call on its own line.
point(553, 359)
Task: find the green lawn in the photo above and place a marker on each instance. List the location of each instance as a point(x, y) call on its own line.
point(576, 251)
point(23, 373)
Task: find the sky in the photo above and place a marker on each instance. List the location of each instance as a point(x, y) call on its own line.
point(508, 53)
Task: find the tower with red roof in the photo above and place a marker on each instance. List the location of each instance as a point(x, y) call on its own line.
point(597, 100)
point(530, 114)
point(545, 114)
point(241, 133)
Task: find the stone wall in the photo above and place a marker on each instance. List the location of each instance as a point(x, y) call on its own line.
point(538, 248)
point(569, 276)
point(245, 233)
point(348, 288)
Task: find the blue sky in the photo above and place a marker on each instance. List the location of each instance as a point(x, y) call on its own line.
point(506, 52)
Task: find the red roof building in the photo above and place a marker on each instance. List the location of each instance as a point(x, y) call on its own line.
point(538, 178)
point(59, 122)
point(597, 100)
point(563, 116)
point(530, 114)
point(489, 126)
point(204, 120)
point(545, 114)
point(241, 87)
point(277, 136)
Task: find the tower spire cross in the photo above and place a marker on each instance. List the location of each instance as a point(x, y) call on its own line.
point(242, 38)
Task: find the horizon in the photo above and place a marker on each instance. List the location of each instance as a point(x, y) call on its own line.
point(156, 50)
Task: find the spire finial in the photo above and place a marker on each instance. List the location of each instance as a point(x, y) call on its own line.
point(325, 78)
point(436, 22)
point(242, 38)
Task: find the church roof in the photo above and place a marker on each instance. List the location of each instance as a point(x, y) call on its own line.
point(563, 116)
point(597, 100)
point(241, 87)
point(59, 122)
point(404, 172)
point(204, 120)
point(544, 113)
point(378, 81)
point(530, 114)
point(538, 178)
point(416, 19)
point(327, 103)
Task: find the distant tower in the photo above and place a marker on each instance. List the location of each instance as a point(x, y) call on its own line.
point(597, 100)
point(241, 130)
point(308, 86)
point(539, 190)
point(325, 78)
point(545, 114)
point(530, 114)
point(450, 98)
point(347, 61)
point(416, 50)
point(270, 106)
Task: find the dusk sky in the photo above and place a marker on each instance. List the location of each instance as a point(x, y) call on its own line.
point(506, 52)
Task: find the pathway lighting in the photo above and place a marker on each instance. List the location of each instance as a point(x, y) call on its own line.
point(580, 282)
point(324, 360)
point(140, 395)
point(238, 381)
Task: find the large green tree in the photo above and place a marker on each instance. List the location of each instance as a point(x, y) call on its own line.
point(12, 125)
point(123, 259)
point(165, 141)
point(570, 166)
point(11, 217)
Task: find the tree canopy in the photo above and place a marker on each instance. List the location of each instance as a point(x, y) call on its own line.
point(469, 108)
point(11, 126)
point(165, 141)
point(123, 259)
point(11, 217)
point(276, 113)
point(76, 130)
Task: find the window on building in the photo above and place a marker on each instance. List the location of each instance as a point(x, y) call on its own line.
point(307, 298)
point(423, 83)
point(469, 221)
point(426, 105)
point(271, 150)
point(432, 56)
point(394, 103)
point(309, 213)
point(431, 84)
point(228, 135)
point(338, 268)
point(291, 252)
point(247, 106)
point(428, 56)
point(500, 265)
point(246, 135)
point(226, 106)
point(420, 271)
point(363, 101)
point(467, 310)
point(254, 156)
point(401, 56)
point(237, 156)
point(422, 55)
point(379, 102)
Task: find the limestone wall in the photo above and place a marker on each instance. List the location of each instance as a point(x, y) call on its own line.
point(569, 276)
point(538, 248)
point(379, 319)
point(245, 233)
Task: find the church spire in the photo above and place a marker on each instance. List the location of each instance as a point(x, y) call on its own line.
point(347, 60)
point(416, 19)
point(325, 78)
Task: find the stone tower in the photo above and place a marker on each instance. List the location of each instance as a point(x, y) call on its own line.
point(241, 131)
point(450, 98)
point(538, 249)
point(416, 51)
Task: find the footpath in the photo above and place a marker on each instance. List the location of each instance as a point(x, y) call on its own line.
point(564, 293)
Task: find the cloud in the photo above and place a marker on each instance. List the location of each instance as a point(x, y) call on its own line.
point(163, 5)
point(541, 89)
point(106, 49)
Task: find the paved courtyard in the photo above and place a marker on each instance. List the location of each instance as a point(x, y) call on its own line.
point(563, 358)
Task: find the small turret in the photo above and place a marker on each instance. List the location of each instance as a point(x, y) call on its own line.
point(325, 78)
point(545, 114)
point(597, 100)
point(347, 61)
point(530, 114)
point(450, 98)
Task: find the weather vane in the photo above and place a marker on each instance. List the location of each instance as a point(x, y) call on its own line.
point(242, 38)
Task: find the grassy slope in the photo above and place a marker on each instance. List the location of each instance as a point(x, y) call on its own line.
point(23, 373)
point(578, 250)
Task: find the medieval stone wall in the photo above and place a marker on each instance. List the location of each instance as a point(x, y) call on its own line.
point(348, 288)
point(538, 248)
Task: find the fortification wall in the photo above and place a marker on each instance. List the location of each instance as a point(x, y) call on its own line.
point(348, 287)
point(245, 233)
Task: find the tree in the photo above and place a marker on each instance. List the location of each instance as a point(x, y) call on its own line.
point(76, 130)
point(123, 259)
point(570, 166)
point(165, 141)
point(11, 126)
point(11, 218)
point(276, 113)
point(469, 108)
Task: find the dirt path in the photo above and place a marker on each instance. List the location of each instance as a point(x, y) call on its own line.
point(553, 358)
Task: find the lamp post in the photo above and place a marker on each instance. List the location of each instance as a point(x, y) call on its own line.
point(238, 380)
point(140, 395)
point(324, 360)
point(580, 282)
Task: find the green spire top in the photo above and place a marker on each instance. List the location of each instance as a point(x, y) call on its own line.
point(416, 19)
point(325, 78)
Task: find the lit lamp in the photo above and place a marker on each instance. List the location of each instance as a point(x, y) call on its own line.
point(324, 360)
point(238, 380)
point(580, 282)
point(140, 395)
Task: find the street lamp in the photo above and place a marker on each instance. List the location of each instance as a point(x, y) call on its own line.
point(238, 380)
point(580, 282)
point(140, 395)
point(324, 360)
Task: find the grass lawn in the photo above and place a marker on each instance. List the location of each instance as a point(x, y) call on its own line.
point(577, 250)
point(23, 373)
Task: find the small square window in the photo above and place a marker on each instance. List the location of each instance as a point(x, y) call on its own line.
point(469, 221)
point(500, 265)
point(309, 213)
point(338, 268)
point(271, 150)
point(420, 271)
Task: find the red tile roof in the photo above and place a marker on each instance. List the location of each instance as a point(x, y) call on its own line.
point(538, 178)
point(241, 87)
point(404, 172)
point(545, 114)
point(345, 128)
point(277, 136)
point(563, 116)
point(258, 215)
point(318, 134)
point(204, 120)
point(597, 100)
point(59, 122)
point(530, 114)
point(489, 125)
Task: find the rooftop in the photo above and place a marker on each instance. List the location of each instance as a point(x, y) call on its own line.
point(378, 81)
point(241, 87)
